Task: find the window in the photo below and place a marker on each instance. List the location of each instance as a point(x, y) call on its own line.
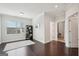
point(14, 27)
point(11, 24)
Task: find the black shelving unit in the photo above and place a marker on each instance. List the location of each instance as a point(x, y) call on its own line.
point(29, 32)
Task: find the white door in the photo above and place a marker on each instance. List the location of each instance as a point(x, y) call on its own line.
point(78, 37)
point(52, 31)
point(73, 31)
point(0, 30)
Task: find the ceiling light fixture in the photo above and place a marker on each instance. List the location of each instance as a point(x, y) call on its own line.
point(56, 6)
point(21, 13)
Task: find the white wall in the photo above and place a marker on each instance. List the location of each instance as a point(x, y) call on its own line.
point(39, 33)
point(46, 24)
point(66, 36)
point(0, 29)
point(78, 31)
point(49, 28)
point(13, 37)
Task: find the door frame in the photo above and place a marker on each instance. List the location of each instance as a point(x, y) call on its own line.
point(57, 29)
point(69, 27)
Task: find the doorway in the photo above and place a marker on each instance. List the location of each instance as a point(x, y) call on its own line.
point(60, 31)
point(73, 30)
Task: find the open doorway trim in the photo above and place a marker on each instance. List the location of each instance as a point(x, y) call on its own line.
point(69, 29)
point(57, 28)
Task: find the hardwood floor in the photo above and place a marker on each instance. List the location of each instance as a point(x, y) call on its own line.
point(61, 39)
point(53, 48)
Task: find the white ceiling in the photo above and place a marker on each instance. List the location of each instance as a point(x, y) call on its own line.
point(31, 10)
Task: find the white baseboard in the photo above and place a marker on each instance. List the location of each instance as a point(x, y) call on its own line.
point(44, 42)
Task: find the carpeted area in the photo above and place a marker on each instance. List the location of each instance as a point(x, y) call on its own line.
point(14, 45)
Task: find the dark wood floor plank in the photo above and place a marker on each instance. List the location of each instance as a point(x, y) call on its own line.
point(53, 48)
